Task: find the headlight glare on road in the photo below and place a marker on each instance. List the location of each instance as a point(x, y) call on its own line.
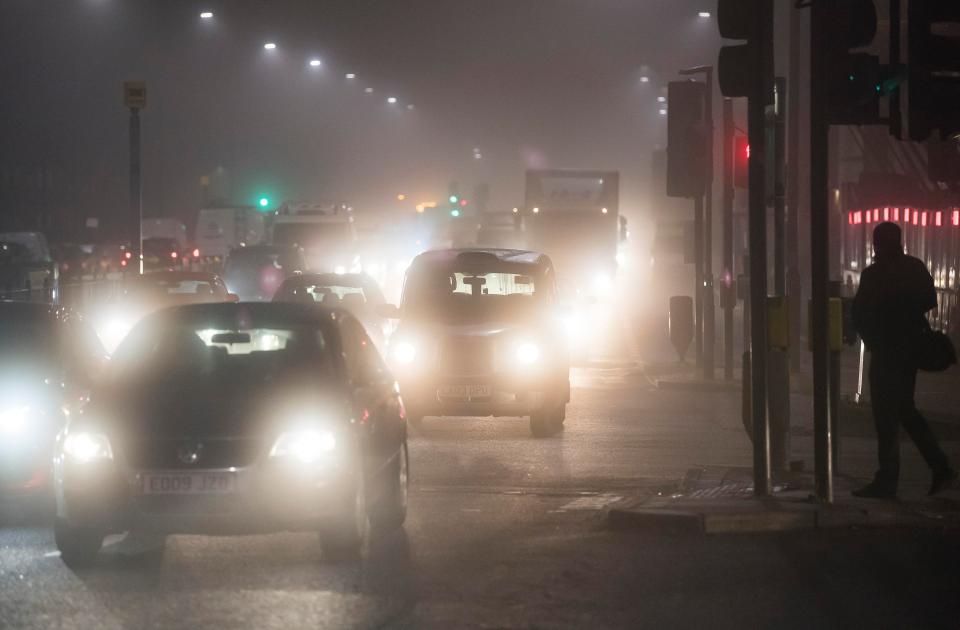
point(13, 420)
point(87, 447)
point(307, 446)
point(404, 353)
point(527, 353)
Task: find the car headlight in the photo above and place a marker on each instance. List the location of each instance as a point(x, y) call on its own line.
point(404, 352)
point(603, 284)
point(527, 353)
point(307, 445)
point(87, 447)
point(14, 420)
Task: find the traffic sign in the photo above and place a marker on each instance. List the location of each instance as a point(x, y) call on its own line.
point(134, 94)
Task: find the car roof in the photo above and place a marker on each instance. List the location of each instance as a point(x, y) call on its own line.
point(13, 309)
point(515, 256)
point(262, 314)
point(339, 279)
point(176, 275)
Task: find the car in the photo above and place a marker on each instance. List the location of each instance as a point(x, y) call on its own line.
point(49, 358)
point(358, 293)
point(236, 418)
point(256, 272)
point(141, 294)
point(161, 252)
point(477, 335)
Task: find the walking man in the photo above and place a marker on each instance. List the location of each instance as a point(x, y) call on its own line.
point(888, 311)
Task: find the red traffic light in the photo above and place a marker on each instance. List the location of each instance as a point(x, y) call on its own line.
point(741, 162)
point(463, 203)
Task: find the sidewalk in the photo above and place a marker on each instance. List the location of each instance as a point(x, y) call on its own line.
point(721, 501)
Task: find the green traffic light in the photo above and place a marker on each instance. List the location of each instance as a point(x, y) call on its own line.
point(264, 202)
point(455, 213)
point(454, 199)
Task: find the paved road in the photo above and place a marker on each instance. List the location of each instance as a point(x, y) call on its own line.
point(507, 531)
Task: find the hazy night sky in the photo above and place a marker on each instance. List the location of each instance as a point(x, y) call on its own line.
point(528, 82)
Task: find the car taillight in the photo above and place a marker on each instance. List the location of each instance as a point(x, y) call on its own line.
point(173, 254)
point(196, 252)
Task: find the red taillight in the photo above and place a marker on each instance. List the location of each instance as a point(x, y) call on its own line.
point(850, 218)
point(196, 252)
point(123, 263)
point(938, 218)
point(869, 216)
point(173, 254)
point(906, 215)
point(876, 214)
point(896, 214)
point(886, 214)
point(858, 217)
point(956, 217)
point(128, 255)
point(923, 220)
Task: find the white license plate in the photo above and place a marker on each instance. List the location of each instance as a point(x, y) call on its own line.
point(465, 391)
point(188, 483)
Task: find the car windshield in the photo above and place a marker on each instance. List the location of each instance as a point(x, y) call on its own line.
point(232, 357)
point(471, 295)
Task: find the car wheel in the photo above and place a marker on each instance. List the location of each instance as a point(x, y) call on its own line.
point(342, 536)
point(391, 509)
point(547, 421)
point(78, 545)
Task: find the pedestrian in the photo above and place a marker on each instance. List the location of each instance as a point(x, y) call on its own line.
point(889, 314)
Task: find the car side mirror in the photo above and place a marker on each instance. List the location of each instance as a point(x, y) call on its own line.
point(233, 297)
point(388, 311)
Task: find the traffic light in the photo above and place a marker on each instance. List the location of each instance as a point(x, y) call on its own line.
point(934, 69)
point(741, 162)
point(687, 151)
point(854, 81)
point(454, 200)
point(263, 202)
point(739, 66)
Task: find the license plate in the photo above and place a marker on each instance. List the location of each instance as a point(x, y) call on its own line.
point(188, 483)
point(465, 391)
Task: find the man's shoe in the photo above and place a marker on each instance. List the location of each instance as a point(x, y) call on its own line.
point(874, 490)
point(943, 481)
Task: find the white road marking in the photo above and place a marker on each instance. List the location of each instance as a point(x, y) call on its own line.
point(597, 502)
point(52, 554)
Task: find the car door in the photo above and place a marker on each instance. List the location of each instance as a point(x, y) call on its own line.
point(375, 396)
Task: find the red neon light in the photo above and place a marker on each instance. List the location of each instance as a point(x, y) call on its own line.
point(850, 218)
point(956, 217)
point(876, 214)
point(938, 218)
point(923, 220)
point(886, 214)
point(896, 214)
point(869, 216)
point(906, 215)
point(858, 217)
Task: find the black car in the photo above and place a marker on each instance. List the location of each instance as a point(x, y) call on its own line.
point(256, 272)
point(358, 293)
point(48, 359)
point(236, 418)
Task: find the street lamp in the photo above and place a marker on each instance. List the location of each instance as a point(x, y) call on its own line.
point(350, 75)
point(392, 100)
point(368, 90)
point(269, 46)
point(206, 15)
point(704, 14)
point(661, 99)
point(315, 63)
point(410, 107)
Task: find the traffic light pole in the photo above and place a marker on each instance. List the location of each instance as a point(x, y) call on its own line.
point(728, 192)
point(698, 277)
point(756, 126)
point(819, 249)
point(709, 318)
point(794, 285)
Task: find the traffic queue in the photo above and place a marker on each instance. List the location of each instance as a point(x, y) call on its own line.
point(179, 406)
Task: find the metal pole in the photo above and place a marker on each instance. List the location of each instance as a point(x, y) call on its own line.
point(758, 253)
point(698, 276)
point(820, 252)
point(709, 319)
point(136, 199)
point(794, 285)
point(836, 291)
point(728, 192)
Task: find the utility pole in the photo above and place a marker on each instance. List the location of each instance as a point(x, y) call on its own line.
point(135, 99)
point(727, 274)
point(794, 285)
point(820, 247)
point(747, 70)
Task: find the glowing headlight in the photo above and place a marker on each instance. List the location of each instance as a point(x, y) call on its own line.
point(114, 330)
point(340, 270)
point(602, 284)
point(307, 446)
point(527, 353)
point(404, 352)
point(87, 447)
point(373, 269)
point(13, 421)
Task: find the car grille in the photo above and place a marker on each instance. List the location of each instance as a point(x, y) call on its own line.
point(466, 356)
point(214, 453)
